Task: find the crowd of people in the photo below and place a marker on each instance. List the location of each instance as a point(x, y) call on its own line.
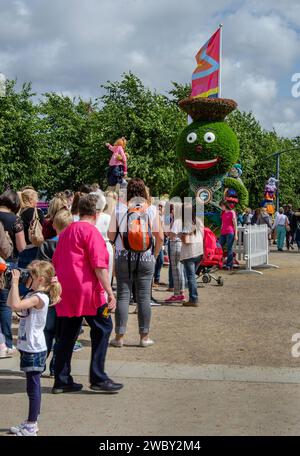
point(284, 226)
point(62, 267)
point(93, 254)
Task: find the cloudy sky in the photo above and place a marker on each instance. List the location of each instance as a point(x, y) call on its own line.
point(73, 46)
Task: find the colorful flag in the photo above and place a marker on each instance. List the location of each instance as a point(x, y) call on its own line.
point(205, 80)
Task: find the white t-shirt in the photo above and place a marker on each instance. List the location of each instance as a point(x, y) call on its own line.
point(192, 248)
point(103, 224)
point(31, 328)
point(176, 228)
point(121, 211)
point(280, 220)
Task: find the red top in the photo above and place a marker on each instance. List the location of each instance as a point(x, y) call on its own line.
point(227, 222)
point(48, 230)
point(80, 250)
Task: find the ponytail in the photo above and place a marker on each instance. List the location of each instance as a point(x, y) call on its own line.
point(55, 292)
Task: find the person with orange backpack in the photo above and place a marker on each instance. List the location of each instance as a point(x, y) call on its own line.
point(134, 227)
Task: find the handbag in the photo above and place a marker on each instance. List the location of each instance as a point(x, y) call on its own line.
point(287, 226)
point(35, 233)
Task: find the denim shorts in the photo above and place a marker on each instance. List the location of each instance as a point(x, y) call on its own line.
point(33, 361)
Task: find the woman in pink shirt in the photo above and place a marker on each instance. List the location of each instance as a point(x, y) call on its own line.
point(228, 231)
point(118, 162)
point(81, 264)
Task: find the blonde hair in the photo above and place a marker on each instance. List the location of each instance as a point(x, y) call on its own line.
point(21, 202)
point(62, 219)
point(46, 270)
point(56, 204)
point(111, 201)
point(28, 196)
point(95, 187)
point(121, 142)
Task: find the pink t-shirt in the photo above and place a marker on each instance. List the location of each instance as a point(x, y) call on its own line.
point(227, 222)
point(80, 250)
point(118, 150)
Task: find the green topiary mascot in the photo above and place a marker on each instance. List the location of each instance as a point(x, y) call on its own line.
point(209, 149)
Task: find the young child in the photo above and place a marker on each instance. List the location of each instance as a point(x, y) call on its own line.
point(44, 290)
point(118, 162)
point(46, 251)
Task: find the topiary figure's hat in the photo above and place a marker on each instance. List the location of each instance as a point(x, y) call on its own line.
point(210, 109)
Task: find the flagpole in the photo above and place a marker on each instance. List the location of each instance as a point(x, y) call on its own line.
point(220, 71)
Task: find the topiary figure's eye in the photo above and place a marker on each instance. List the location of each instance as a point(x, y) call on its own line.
point(209, 137)
point(191, 138)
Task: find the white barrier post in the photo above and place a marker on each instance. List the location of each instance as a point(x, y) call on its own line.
point(255, 249)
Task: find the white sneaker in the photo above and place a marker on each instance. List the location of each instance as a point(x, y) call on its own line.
point(28, 430)
point(146, 342)
point(4, 351)
point(12, 350)
point(116, 343)
point(17, 428)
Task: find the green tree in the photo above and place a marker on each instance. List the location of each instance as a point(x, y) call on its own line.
point(21, 152)
point(151, 122)
point(59, 142)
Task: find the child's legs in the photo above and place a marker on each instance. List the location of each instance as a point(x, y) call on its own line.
point(120, 174)
point(112, 175)
point(34, 394)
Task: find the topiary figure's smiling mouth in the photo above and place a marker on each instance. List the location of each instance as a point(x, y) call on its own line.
point(204, 164)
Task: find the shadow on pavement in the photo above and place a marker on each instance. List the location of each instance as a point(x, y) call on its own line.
point(16, 385)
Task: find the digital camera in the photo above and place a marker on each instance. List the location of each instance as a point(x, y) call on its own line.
point(24, 276)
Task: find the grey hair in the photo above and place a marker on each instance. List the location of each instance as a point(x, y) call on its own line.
point(101, 200)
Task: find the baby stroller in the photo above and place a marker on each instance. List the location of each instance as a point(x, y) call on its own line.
point(212, 258)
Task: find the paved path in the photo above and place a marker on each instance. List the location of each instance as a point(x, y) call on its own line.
point(224, 368)
point(163, 371)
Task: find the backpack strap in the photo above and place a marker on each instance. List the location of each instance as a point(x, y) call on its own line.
point(118, 227)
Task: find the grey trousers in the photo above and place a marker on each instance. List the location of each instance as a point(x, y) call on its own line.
point(177, 267)
point(142, 278)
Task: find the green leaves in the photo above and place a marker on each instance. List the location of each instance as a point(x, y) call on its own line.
point(59, 142)
point(256, 146)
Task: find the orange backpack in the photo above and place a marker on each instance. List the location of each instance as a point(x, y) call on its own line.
point(138, 236)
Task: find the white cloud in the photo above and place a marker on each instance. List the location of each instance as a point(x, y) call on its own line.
point(287, 128)
point(72, 47)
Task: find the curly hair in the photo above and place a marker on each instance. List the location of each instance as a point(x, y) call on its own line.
point(136, 189)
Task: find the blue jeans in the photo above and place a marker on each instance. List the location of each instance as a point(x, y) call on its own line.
point(190, 267)
point(228, 239)
point(5, 311)
point(158, 265)
point(5, 317)
point(170, 274)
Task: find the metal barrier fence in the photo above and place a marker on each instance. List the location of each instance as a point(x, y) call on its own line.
point(252, 246)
